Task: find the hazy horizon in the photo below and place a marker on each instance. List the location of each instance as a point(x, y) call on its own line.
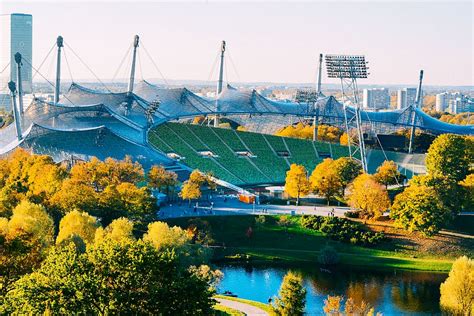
point(267, 42)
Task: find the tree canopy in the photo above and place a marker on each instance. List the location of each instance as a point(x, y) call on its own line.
point(297, 183)
point(291, 299)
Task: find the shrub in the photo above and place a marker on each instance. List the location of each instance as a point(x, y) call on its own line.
point(342, 229)
point(352, 214)
point(328, 256)
point(260, 220)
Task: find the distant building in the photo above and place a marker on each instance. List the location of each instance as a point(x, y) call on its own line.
point(406, 97)
point(376, 99)
point(453, 103)
point(16, 36)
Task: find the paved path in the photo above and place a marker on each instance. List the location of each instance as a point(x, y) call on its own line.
point(242, 307)
point(231, 206)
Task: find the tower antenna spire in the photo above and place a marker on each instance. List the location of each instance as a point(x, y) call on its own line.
point(57, 88)
point(413, 115)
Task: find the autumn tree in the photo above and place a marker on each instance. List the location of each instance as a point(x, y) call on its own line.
point(450, 155)
point(419, 208)
point(161, 179)
point(24, 241)
point(325, 181)
point(297, 183)
point(120, 230)
point(291, 298)
point(78, 224)
point(368, 196)
point(387, 173)
point(333, 307)
point(457, 292)
point(468, 188)
point(190, 190)
point(347, 169)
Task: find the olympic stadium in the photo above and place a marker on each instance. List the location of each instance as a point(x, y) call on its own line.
point(151, 124)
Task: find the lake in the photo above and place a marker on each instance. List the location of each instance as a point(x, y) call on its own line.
point(392, 292)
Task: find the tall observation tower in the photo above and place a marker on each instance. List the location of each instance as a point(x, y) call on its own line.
point(16, 37)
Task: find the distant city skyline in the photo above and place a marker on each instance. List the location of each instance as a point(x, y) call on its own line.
point(267, 42)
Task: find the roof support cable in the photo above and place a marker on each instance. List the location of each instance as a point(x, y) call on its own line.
point(127, 53)
point(52, 85)
point(4, 68)
point(68, 66)
point(44, 59)
point(154, 64)
point(233, 65)
point(88, 68)
point(209, 78)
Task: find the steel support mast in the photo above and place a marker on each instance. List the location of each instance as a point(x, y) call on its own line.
point(318, 91)
point(131, 81)
point(413, 111)
point(16, 116)
point(57, 87)
point(220, 82)
point(19, 80)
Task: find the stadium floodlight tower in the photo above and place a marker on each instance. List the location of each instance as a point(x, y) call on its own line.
point(19, 80)
point(349, 68)
point(57, 87)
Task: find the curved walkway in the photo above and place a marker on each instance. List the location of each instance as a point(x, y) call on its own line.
point(242, 307)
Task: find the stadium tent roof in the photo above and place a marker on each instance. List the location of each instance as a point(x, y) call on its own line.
point(83, 109)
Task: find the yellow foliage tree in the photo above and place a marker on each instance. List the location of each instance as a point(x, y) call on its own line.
point(297, 183)
point(457, 292)
point(368, 196)
point(325, 180)
point(190, 190)
point(77, 224)
point(162, 179)
point(387, 173)
point(162, 236)
point(120, 230)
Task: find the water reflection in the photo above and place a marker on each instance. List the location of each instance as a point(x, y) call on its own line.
point(392, 292)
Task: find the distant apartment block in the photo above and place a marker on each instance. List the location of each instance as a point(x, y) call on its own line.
point(453, 103)
point(406, 97)
point(16, 36)
point(376, 99)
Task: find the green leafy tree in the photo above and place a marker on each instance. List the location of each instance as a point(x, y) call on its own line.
point(457, 292)
point(419, 208)
point(120, 230)
point(445, 189)
point(292, 296)
point(450, 155)
point(112, 278)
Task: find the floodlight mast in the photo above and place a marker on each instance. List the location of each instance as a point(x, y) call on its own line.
point(349, 68)
point(413, 115)
point(16, 116)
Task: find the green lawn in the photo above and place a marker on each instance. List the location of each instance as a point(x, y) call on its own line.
point(221, 310)
point(269, 241)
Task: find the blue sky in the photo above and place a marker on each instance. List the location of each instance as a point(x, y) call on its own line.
point(273, 42)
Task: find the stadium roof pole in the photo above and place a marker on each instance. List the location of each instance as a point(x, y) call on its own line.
point(319, 73)
point(12, 87)
point(349, 68)
point(413, 115)
point(220, 82)
point(136, 41)
point(20, 87)
point(57, 87)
